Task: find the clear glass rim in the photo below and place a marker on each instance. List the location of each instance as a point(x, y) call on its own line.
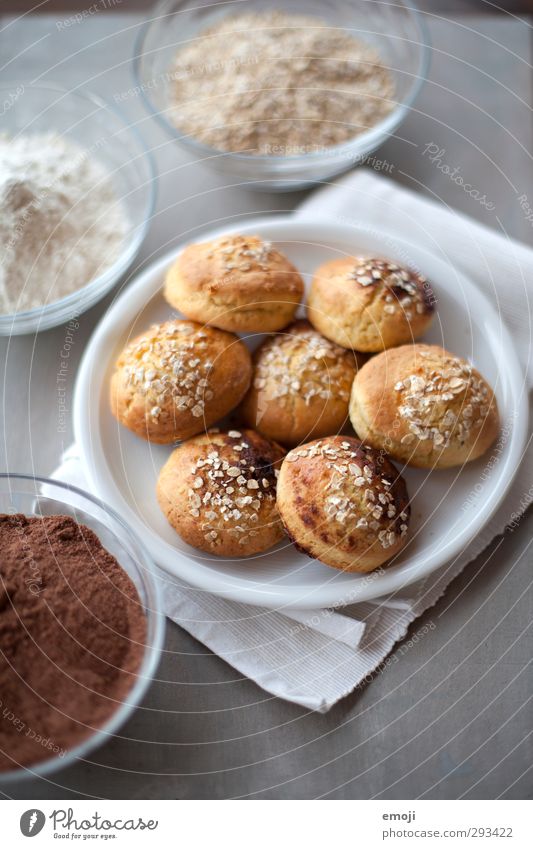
point(83, 298)
point(363, 140)
point(154, 640)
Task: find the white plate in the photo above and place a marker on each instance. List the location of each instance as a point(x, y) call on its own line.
point(449, 507)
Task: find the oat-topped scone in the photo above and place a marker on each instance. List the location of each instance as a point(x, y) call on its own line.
point(424, 406)
point(238, 283)
point(218, 491)
point(343, 503)
point(369, 304)
point(177, 379)
point(300, 386)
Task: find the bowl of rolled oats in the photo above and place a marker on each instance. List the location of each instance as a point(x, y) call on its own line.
point(281, 99)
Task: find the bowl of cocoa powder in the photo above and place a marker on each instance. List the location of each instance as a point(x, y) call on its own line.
point(281, 95)
point(81, 626)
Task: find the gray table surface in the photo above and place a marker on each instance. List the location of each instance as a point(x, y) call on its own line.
point(452, 717)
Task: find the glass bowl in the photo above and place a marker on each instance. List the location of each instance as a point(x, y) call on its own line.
point(36, 496)
point(100, 131)
point(396, 30)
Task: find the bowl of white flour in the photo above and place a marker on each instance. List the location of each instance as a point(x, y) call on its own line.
point(76, 198)
point(280, 96)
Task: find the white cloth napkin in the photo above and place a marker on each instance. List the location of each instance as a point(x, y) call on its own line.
point(314, 658)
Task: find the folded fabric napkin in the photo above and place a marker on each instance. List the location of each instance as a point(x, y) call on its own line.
point(314, 658)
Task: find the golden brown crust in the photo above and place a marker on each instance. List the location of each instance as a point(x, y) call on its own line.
point(343, 503)
point(369, 304)
point(218, 491)
point(424, 406)
point(177, 379)
point(301, 386)
point(237, 283)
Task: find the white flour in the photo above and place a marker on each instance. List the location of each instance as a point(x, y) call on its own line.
point(61, 223)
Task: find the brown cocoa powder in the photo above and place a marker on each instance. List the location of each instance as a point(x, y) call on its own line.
point(72, 634)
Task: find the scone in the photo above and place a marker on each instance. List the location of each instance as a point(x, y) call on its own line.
point(300, 387)
point(238, 283)
point(369, 304)
point(177, 379)
point(218, 491)
point(343, 503)
point(424, 406)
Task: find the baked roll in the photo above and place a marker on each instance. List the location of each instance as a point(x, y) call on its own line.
point(300, 387)
point(237, 283)
point(424, 406)
point(218, 491)
point(369, 304)
point(343, 503)
point(177, 379)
